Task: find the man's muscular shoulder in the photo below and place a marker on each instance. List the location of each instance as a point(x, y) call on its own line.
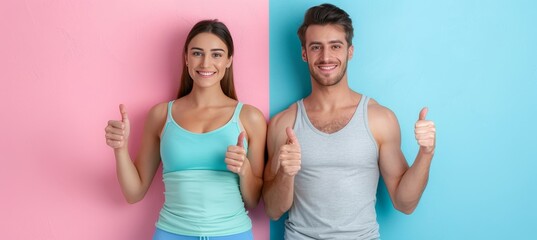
point(285, 118)
point(376, 110)
point(382, 120)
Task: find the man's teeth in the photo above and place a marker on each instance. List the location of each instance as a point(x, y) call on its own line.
point(327, 67)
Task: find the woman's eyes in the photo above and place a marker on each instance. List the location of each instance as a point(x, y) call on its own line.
point(214, 55)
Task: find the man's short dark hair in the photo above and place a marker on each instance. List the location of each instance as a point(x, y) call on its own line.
point(325, 14)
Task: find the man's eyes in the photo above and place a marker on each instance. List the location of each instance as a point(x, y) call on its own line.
point(316, 48)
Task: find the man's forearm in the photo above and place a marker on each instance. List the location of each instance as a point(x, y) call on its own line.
point(413, 184)
point(278, 195)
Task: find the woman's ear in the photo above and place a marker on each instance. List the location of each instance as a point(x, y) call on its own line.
point(230, 61)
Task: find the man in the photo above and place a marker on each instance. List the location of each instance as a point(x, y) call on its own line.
point(327, 150)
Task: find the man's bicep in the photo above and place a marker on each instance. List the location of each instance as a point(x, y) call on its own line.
point(392, 162)
point(392, 165)
point(273, 145)
point(276, 137)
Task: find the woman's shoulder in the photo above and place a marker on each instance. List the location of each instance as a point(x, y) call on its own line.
point(159, 108)
point(158, 112)
point(251, 114)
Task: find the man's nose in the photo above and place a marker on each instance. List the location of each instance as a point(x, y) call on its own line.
point(325, 54)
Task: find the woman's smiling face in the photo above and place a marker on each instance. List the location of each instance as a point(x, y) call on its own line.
point(207, 59)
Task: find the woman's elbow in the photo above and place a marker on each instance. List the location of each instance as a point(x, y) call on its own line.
point(251, 204)
point(133, 198)
point(132, 201)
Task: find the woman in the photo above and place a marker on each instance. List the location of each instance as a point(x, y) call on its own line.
point(211, 146)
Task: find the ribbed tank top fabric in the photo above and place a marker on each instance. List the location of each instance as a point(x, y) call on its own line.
point(202, 198)
point(335, 189)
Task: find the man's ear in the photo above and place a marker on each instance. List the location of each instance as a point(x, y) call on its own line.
point(304, 55)
point(351, 51)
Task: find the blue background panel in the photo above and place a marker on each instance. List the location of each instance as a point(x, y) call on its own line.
point(474, 64)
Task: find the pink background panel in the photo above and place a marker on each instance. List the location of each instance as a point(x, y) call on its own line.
point(66, 66)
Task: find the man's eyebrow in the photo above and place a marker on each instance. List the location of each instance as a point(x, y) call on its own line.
point(336, 41)
point(314, 43)
point(330, 42)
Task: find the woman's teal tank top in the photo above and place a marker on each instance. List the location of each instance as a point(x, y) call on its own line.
point(202, 198)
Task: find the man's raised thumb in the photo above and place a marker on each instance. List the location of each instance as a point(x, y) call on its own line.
point(291, 137)
point(423, 113)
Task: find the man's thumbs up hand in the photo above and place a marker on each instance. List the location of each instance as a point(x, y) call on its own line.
point(425, 132)
point(290, 154)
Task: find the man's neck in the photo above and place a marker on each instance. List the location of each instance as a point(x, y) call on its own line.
point(330, 97)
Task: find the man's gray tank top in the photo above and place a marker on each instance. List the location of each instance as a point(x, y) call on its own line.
point(335, 189)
